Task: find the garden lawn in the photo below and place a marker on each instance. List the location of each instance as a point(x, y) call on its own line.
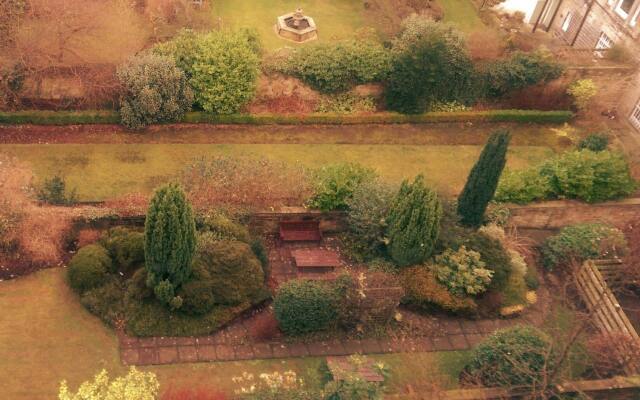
point(47, 336)
point(102, 171)
point(463, 14)
point(336, 19)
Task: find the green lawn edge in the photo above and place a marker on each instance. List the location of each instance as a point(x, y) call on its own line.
point(112, 117)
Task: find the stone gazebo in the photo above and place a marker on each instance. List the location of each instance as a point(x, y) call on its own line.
point(297, 27)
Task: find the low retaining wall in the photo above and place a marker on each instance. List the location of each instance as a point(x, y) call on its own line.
point(553, 215)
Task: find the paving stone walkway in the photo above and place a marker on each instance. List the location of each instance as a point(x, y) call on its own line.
point(427, 333)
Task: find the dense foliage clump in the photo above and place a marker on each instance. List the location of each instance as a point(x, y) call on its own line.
point(338, 66)
point(336, 183)
point(126, 249)
point(424, 290)
point(304, 306)
point(221, 66)
point(516, 356)
point(153, 90)
point(89, 268)
point(581, 242)
point(463, 272)
point(582, 174)
point(483, 179)
point(595, 142)
point(413, 223)
point(519, 71)
point(430, 65)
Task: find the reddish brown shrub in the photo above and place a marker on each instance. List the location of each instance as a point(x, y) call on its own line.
point(129, 205)
point(551, 96)
point(88, 236)
point(612, 354)
point(245, 183)
point(485, 45)
point(200, 393)
point(264, 327)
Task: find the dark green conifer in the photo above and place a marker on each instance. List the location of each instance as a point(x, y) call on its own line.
point(170, 240)
point(413, 223)
point(483, 179)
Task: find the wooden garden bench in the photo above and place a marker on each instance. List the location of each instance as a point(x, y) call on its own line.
point(300, 231)
point(315, 261)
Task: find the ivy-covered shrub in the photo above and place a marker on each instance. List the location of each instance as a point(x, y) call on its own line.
point(592, 177)
point(135, 385)
point(336, 183)
point(413, 223)
point(304, 306)
point(519, 71)
point(595, 142)
point(430, 65)
point(582, 174)
point(222, 67)
point(424, 290)
point(462, 272)
point(126, 249)
point(523, 186)
point(153, 90)
point(89, 268)
point(236, 274)
point(367, 218)
point(338, 66)
point(494, 255)
point(582, 242)
point(511, 357)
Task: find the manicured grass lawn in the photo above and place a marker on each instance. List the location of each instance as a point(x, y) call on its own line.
point(103, 171)
point(336, 19)
point(46, 336)
point(463, 14)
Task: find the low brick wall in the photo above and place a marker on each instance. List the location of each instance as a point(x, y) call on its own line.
point(268, 222)
point(553, 215)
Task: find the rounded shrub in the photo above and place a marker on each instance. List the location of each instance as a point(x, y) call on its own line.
point(89, 268)
point(197, 297)
point(304, 306)
point(236, 274)
point(511, 357)
point(224, 228)
point(581, 242)
point(595, 142)
point(495, 257)
point(126, 248)
point(137, 288)
point(424, 290)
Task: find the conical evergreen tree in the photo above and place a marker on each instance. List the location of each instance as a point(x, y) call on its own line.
point(483, 179)
point(413, 223)
point(170, 241)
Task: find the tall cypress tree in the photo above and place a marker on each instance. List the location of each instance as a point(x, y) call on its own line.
point(483, 179)
point(170, 242)
point(413, 223)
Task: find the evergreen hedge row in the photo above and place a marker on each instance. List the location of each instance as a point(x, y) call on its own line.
point(37, 117)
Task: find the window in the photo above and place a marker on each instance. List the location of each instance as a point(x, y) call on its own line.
point(624, 8)
point(567, 22)
point(604, 42)
point(635, 116)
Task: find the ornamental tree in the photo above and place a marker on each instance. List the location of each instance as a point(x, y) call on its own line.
point(413, 223)
point(430, 64)
point(170, 242)
point(154, 90)
point(483, 179)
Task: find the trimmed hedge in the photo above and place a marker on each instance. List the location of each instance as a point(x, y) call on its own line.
point(111, 117)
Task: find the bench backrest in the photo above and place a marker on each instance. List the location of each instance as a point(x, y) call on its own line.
point(292, 226)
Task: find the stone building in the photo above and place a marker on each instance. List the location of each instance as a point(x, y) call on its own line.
point(597, 25)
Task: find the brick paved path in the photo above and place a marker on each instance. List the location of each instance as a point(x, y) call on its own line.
point(234, 342)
